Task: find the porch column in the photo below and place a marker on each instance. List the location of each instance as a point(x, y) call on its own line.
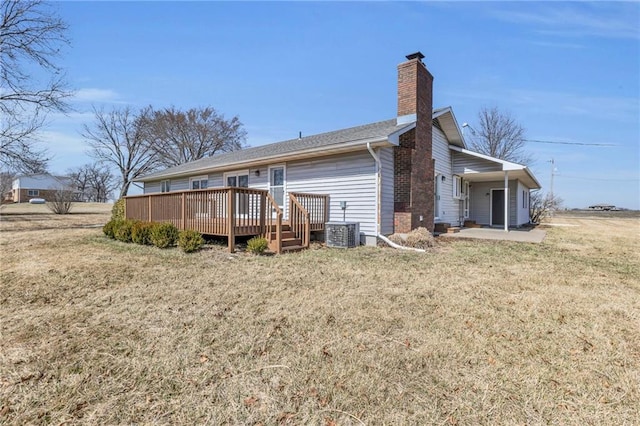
point(506, 201)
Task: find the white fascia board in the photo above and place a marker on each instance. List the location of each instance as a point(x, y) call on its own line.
point(305, 153)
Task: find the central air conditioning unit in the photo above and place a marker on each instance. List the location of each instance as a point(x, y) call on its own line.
point(342, 234)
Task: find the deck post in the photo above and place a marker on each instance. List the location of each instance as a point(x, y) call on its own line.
point(149, 201)
point(263, 217)
point(183, 211)
point(279, 234)
point(231, 219)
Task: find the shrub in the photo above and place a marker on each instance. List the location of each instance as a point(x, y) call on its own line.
point(61, 202)
point(257, 245)
point(190, 241)
point(420, 238)
point(141, 233)
point(163, 235)
point(117, 211)
point(122, 231)
point(110, 227)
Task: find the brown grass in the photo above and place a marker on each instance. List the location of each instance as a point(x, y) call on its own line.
point(95, 331)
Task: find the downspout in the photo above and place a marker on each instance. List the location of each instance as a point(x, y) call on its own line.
point(376, 158)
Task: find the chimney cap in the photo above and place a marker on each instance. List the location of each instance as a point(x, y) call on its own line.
point(418, 55)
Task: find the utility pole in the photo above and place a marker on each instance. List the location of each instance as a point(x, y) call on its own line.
point(553, 169)
point(553, 172)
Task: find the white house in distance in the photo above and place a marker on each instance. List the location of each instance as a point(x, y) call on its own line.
point(41, 185)
point(394, 175)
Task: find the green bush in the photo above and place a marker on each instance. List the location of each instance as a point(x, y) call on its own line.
point(164, 235)
point(123, 230)
point(257, 245)
point(110, 227)
point(190, 241)
point(141, 233)
point(117, 211)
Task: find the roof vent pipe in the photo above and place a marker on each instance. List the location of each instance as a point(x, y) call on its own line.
point(299, 135)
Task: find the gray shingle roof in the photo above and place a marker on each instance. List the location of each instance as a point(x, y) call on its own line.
point(381, 129)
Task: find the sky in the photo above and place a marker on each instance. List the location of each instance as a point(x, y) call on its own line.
point(566, 71)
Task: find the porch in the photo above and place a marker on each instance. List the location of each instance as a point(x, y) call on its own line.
point(231, 212)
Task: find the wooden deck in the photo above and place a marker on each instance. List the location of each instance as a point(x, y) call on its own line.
point(233, 212)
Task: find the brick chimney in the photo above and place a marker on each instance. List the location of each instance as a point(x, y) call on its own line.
point(413, 160)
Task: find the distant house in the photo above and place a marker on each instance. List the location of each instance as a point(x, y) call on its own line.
point(41, 185)
point(390, 176)
point(602, 206)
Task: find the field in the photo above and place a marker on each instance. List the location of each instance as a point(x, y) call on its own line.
point(94, 331)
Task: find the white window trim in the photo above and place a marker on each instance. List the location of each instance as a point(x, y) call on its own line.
point(284, 181)
point(236, 174)
point(457, 187)
point(165, 185)
point(466, 201)
point(198, 178)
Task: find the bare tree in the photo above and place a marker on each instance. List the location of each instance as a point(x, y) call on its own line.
point(6, 183)
point(178, 137)
point(93, 182)
point(500, 136)
point(31, 37)
point(116, 138)
point(542, 205)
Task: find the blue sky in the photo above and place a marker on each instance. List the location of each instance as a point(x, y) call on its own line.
point(567, 72)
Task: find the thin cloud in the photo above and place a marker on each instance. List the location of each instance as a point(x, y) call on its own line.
point(94, 95)
point(617, 20)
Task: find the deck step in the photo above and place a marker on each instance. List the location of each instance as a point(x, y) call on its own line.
point(285, 234)
point(287, 242)
point(292, 248)
point(453, 230)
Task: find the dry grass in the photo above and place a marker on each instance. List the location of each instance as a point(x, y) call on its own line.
point(95, 331)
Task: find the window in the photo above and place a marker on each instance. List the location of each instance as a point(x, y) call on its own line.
point(525, 199)
point(33, 192)
point(436, 196)
point(276, 184)
point(166, 186)
point(457, 187)
point(199, 182)
point(237, 179)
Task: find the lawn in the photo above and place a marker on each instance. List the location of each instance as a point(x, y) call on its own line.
point(94, 331)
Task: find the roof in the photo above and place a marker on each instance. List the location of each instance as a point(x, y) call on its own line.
point(516, 170)
point(449, 125)
point(382, 132)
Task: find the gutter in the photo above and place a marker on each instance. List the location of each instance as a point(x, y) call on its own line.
point(376, 158)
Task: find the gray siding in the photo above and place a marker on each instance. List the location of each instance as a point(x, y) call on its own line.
point(449, 206)
point(463, 163)
point(523, 204)
point(387, 204)
point(480, 202)
point(151, 187)
point(348, 177)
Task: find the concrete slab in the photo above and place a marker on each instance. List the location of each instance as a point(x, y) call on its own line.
point(524, 235)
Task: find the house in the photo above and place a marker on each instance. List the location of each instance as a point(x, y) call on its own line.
point(41, 185)
point(391, 176)
point(603, 207)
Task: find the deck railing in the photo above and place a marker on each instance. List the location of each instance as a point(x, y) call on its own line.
point(273, 222)
point(231, 212)
point(307, 213)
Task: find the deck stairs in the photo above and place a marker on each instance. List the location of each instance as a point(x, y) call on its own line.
point(289, 241)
